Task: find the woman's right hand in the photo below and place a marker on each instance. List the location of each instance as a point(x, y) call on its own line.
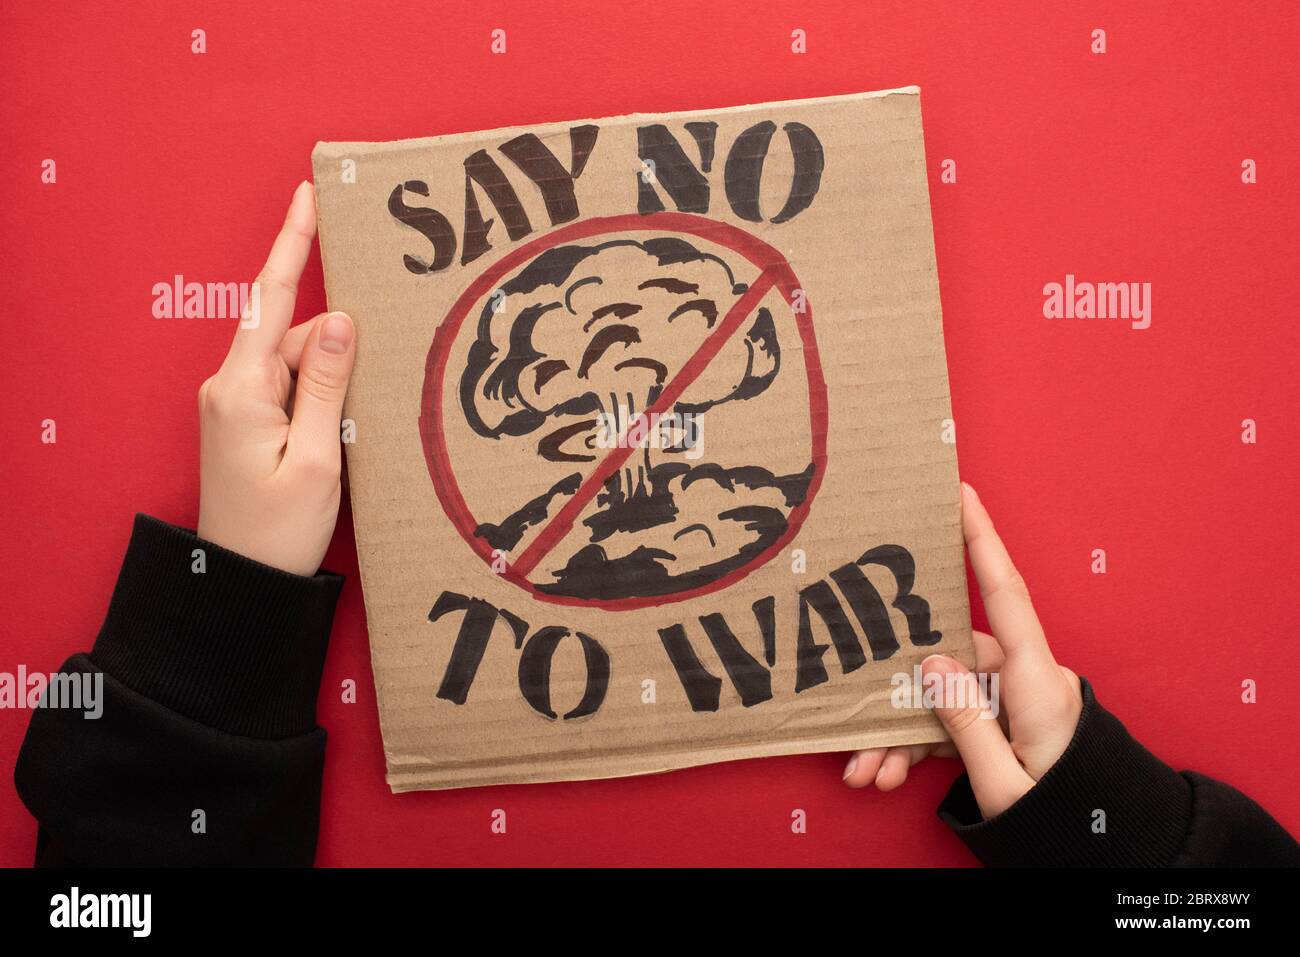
point(1039, 700)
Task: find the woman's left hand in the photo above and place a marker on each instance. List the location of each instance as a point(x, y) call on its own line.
point(270, 456)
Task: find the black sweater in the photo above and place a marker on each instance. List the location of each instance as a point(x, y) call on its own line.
point(207, 750)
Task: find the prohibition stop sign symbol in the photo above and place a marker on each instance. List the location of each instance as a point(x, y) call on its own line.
point(774, 273)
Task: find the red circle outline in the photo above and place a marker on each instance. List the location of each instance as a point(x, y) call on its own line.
point(759, 253)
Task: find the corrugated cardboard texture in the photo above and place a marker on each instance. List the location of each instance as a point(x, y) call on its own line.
point(547, 603)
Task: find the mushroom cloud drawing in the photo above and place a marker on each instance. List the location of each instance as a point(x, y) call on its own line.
point(590, 334)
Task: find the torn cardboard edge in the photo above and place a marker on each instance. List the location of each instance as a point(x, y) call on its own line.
point(333, 148)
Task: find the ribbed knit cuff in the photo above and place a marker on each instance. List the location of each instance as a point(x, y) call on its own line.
point(1147, 806)
point(238, 646)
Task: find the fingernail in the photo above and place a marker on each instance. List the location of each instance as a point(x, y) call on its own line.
point(940, 663)
point(850, 767)
point(336, 333)
point(970, 489)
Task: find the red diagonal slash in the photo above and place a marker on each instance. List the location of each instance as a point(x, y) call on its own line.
point(563, 521)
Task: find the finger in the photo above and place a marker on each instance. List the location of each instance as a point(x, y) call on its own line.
point(868, 766)
point(862, 767)
point(1011, 615)
point(291, 345)
point(995, 774)
point(945, 749)
point(276, 288)
point(988, 653)
point(323, 375)
point(893, 770)
point(1072, 680)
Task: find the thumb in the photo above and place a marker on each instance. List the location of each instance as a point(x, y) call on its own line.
point(996, 777)
point(323, 375)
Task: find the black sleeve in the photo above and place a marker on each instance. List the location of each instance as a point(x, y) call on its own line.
point(204, 750)
point(1109, 802)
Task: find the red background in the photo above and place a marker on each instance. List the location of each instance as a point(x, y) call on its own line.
point(1116, 167)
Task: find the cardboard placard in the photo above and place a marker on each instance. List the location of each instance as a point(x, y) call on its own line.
point(650, 456)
